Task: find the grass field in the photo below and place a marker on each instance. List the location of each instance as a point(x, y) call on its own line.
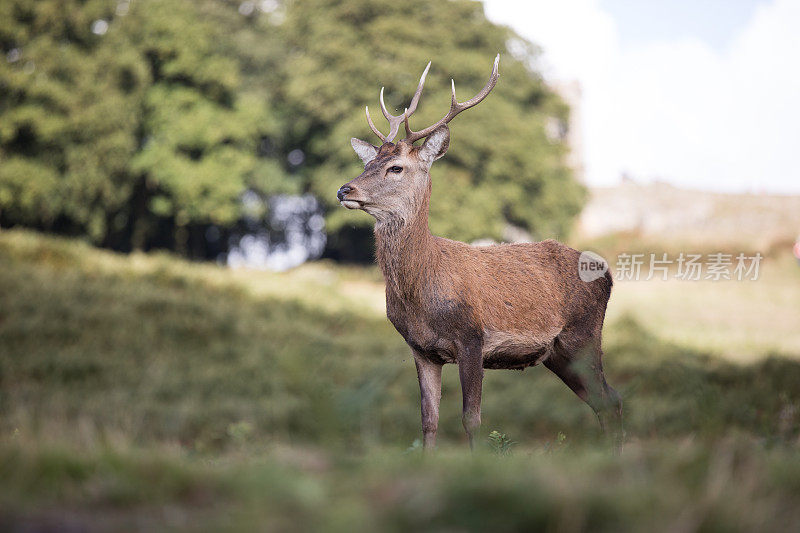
point(144, 392)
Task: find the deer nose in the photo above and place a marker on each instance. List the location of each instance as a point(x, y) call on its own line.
point(343, 192)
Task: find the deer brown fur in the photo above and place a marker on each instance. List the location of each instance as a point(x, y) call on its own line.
point(507, 306)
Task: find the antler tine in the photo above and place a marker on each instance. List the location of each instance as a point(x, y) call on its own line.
point(372, 125)
point(414, 101)
point(455, 106)
point(395, 121)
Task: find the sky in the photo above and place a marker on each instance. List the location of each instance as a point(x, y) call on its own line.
point(703, 94)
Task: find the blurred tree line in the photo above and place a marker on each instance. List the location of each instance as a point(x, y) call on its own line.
point(141, 123)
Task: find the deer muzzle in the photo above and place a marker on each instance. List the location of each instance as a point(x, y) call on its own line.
point(342, 193)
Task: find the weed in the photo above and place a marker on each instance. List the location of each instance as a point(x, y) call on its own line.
point(500, 443)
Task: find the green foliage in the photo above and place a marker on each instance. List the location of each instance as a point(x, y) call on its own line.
point(559, 443)
point(501, 167)
point(105, 133)
point(69, 102)
point(416, 447)
point(240, 432)
point(500, 443)
point(159, 121)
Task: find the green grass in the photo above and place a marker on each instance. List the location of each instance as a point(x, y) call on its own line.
point(148, 392)
point(735, 486)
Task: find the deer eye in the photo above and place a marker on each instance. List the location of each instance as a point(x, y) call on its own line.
point(395, 169)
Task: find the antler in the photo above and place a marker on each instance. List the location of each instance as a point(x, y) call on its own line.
point(395, 121)
point(455, 107)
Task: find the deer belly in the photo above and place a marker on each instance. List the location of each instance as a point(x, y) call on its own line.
point(426, 341)
point(516, 350)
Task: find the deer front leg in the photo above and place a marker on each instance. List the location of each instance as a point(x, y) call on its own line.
point(470, 371)
point(430, 389)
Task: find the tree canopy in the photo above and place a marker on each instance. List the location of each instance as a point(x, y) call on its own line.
point(142, 123)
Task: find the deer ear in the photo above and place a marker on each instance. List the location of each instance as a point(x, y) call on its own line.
point(364, 150)
point(435, 145)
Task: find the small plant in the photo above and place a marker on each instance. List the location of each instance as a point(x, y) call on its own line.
point(415, 447)
point(558, 443)
point(500, 443)
point(240, 432)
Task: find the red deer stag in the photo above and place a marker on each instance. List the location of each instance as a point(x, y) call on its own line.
point(504, 306)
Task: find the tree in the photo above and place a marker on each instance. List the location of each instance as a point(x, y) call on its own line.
point(501, 168)
point(201, 131)
point(121, 121)
point(140, 124)
point(69, 100)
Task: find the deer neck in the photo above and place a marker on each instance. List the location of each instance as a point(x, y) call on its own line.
point(405, 250)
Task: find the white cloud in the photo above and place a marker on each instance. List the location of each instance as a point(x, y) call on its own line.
point(677, 109)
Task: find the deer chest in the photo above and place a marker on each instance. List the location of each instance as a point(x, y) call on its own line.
point(432, 327)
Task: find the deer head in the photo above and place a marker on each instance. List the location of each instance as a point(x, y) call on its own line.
point(396, 177)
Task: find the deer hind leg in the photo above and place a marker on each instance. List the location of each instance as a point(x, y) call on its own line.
point(580, 367)
point(470, 372)
point(430, 389)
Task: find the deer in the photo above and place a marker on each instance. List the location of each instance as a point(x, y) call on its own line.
point(503, 306)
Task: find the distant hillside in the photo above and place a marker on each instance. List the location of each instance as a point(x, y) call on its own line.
point(662, 211)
